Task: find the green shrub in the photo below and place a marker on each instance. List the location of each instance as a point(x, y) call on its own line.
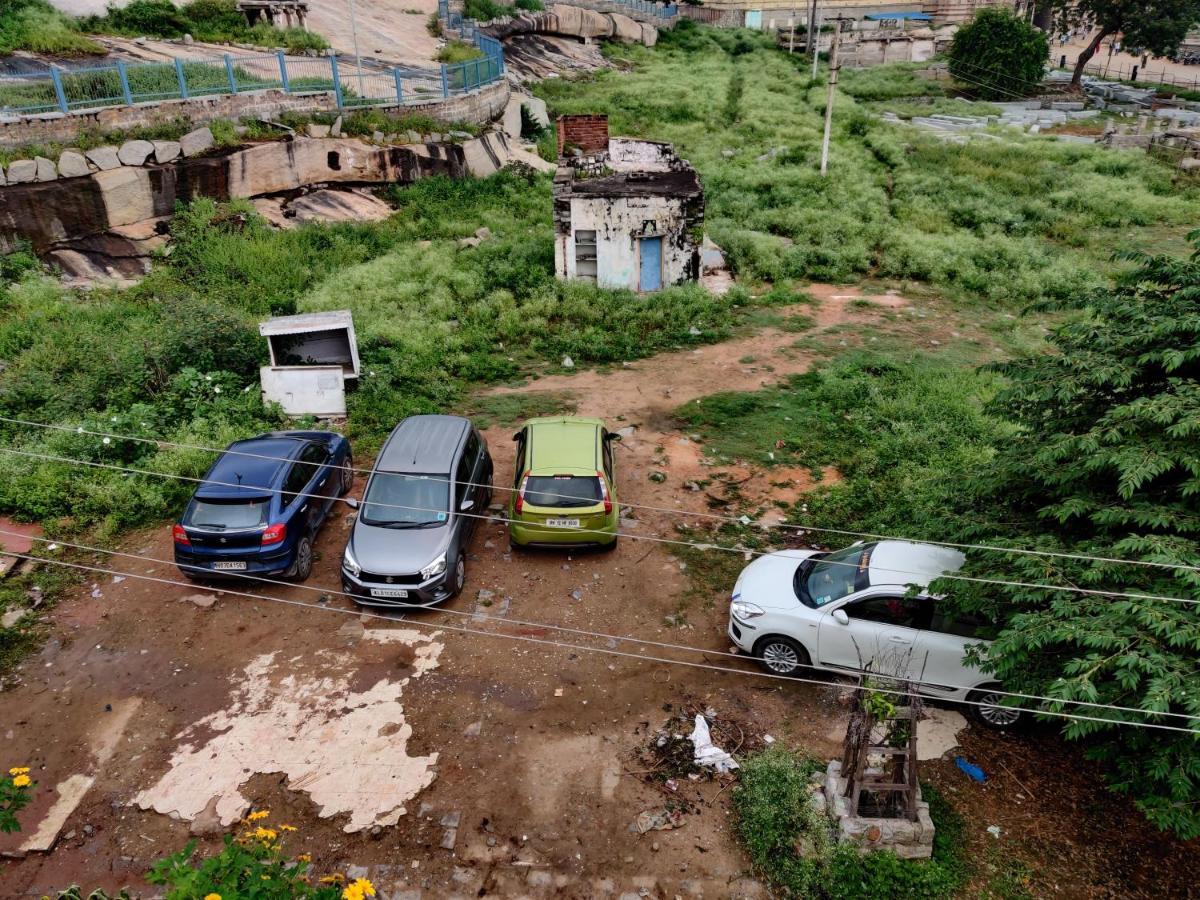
point(999, 54)
point(216, 21)
point(37, 27)
point(458, 51)
point(792, 844)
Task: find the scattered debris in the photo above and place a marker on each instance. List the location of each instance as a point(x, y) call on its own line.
point(204, 601)
point(707, 753)
point(973, 771)
point(657, 820)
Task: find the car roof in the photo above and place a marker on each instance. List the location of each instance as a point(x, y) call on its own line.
point(563, 443)
point(908, 562)
point(423, 445)
point(257, 465)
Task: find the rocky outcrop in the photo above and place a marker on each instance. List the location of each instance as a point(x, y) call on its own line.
point(574, 21)
point(111, 217)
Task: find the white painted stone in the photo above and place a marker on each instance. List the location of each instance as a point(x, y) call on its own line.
point(104, 158)
point(135, 153)
point(73, 164)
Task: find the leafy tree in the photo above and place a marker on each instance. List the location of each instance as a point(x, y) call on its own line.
point(1157, 26)
point(999, 53)
point(1105, 465)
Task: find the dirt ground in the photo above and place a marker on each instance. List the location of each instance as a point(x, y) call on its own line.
point(499, 760)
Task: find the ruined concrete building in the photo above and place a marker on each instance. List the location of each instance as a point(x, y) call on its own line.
point(280, 13)
point(627, 213)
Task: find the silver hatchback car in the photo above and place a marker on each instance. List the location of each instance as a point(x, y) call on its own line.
point(431, 484)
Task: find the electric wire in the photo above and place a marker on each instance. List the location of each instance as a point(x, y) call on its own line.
point(596, 531)
point(740, 520)
point(475, 616)
point(604, 650)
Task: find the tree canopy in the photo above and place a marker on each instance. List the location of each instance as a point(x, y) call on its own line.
point(1105, 467)
point(999, 54)
point(1155, 26)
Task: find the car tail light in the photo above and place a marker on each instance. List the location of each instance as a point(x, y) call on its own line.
point(180, 535)
point(274, 534)
point(519, 504)
point(604, 494)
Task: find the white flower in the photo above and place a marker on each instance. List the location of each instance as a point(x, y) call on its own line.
point(216, 389)
point(79, 430)
point(208, 378)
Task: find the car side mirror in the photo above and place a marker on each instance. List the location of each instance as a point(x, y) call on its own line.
point(467, 505)
point(839, 616)
point(517, 436)
point(350, 502)
point(612, 436)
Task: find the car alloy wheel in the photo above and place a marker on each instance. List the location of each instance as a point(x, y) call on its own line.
point(460, 575)
point(992, 711)
point(781, 657)
point(302, 568)
point(347, 476)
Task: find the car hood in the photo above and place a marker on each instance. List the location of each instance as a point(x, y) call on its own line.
point(767, 581)
point(397, 551)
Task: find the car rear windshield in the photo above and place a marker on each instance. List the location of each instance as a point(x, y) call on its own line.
point(563, 491)
point(406, 501)
point(229, 514)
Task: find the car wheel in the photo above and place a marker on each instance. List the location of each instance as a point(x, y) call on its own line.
point(347, 476)
point(460, 577)
point(781, 656)
point(302, 567)
point(988, 709)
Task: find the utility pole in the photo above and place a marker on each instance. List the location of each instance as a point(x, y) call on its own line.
point(815, 26)
point(792, 33)
point(812, 14)
point(362, 91)
point(833, 77)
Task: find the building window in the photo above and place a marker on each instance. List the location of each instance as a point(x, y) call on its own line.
point(585, 255)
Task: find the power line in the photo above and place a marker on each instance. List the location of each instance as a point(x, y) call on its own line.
point(570, 630)
point(660, 509)
point(596, 531)
point(604, 650)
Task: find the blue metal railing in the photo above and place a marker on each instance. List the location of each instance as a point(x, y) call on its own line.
point(65, 90)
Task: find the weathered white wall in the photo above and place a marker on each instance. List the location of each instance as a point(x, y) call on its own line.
point(619, 222)
point(629, 155)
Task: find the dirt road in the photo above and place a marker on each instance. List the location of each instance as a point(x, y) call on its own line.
point(499, 762)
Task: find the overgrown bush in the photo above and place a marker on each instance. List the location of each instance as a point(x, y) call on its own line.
point(37, 27)
point(999, 55)
point(215, 21)
point(791, 843)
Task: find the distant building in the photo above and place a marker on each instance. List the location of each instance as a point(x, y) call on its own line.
point(280, 13)
point(627, 213)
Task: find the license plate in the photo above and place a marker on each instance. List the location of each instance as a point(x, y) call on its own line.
point(389, 592)
point(229, 566)
point(562, 523)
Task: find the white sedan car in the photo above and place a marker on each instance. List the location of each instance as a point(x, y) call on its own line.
point(847, 611)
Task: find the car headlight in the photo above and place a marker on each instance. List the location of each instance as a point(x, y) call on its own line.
point(743, 609)
point(437, 567)
point(350, 564)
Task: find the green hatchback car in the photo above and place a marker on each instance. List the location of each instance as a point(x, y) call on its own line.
point(565, 484)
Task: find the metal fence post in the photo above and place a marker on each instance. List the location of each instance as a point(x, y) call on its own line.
point(337, 81)
point(124, 76)
point(229, 73)
point(283, 72)
point(445, 83)
point(56, 77)
point(399, 90)
point(183, 91)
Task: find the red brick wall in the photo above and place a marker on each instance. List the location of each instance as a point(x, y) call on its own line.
point(588, 133)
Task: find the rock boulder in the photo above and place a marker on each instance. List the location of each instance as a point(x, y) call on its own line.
point(104, 158)
point(135, 153)
point(46, 170)
point(73, 164)
point(165, 151)
point(196, 142)
point(22, 171)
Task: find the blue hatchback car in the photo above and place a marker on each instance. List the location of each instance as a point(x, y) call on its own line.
point(261, 505)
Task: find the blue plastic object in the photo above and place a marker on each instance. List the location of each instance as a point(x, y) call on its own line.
point(973, 771)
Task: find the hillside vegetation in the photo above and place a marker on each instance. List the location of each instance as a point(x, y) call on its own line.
point(38, 27)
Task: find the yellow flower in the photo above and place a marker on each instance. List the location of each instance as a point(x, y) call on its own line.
point(212, 897)
point(359, 889)
point(287, 827)
point(256, 816)
point(21, 781)
point(19, 770)
point(303, 857)
point(335, 878)
point(265, 834)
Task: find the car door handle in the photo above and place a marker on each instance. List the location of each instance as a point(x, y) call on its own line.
point(898, 639)
point(321, 483)
point(304, 507)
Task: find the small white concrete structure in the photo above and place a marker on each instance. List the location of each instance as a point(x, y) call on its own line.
point(313, 355)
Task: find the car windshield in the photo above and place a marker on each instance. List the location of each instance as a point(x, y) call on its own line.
point(406, 501)
point(228, 514)
point(832, 576)
point(563, 490)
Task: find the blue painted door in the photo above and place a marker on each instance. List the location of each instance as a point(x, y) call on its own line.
point(754, 18)
point(651, 264)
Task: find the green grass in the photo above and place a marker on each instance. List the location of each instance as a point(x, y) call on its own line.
point(510, 409)
point(1005, 222)
point(214, 21)
point(458, 51)
point(791, 844)
point(37, 27)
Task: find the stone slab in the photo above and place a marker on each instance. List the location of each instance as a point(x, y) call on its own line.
point(73, 164)
point(104, 158)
